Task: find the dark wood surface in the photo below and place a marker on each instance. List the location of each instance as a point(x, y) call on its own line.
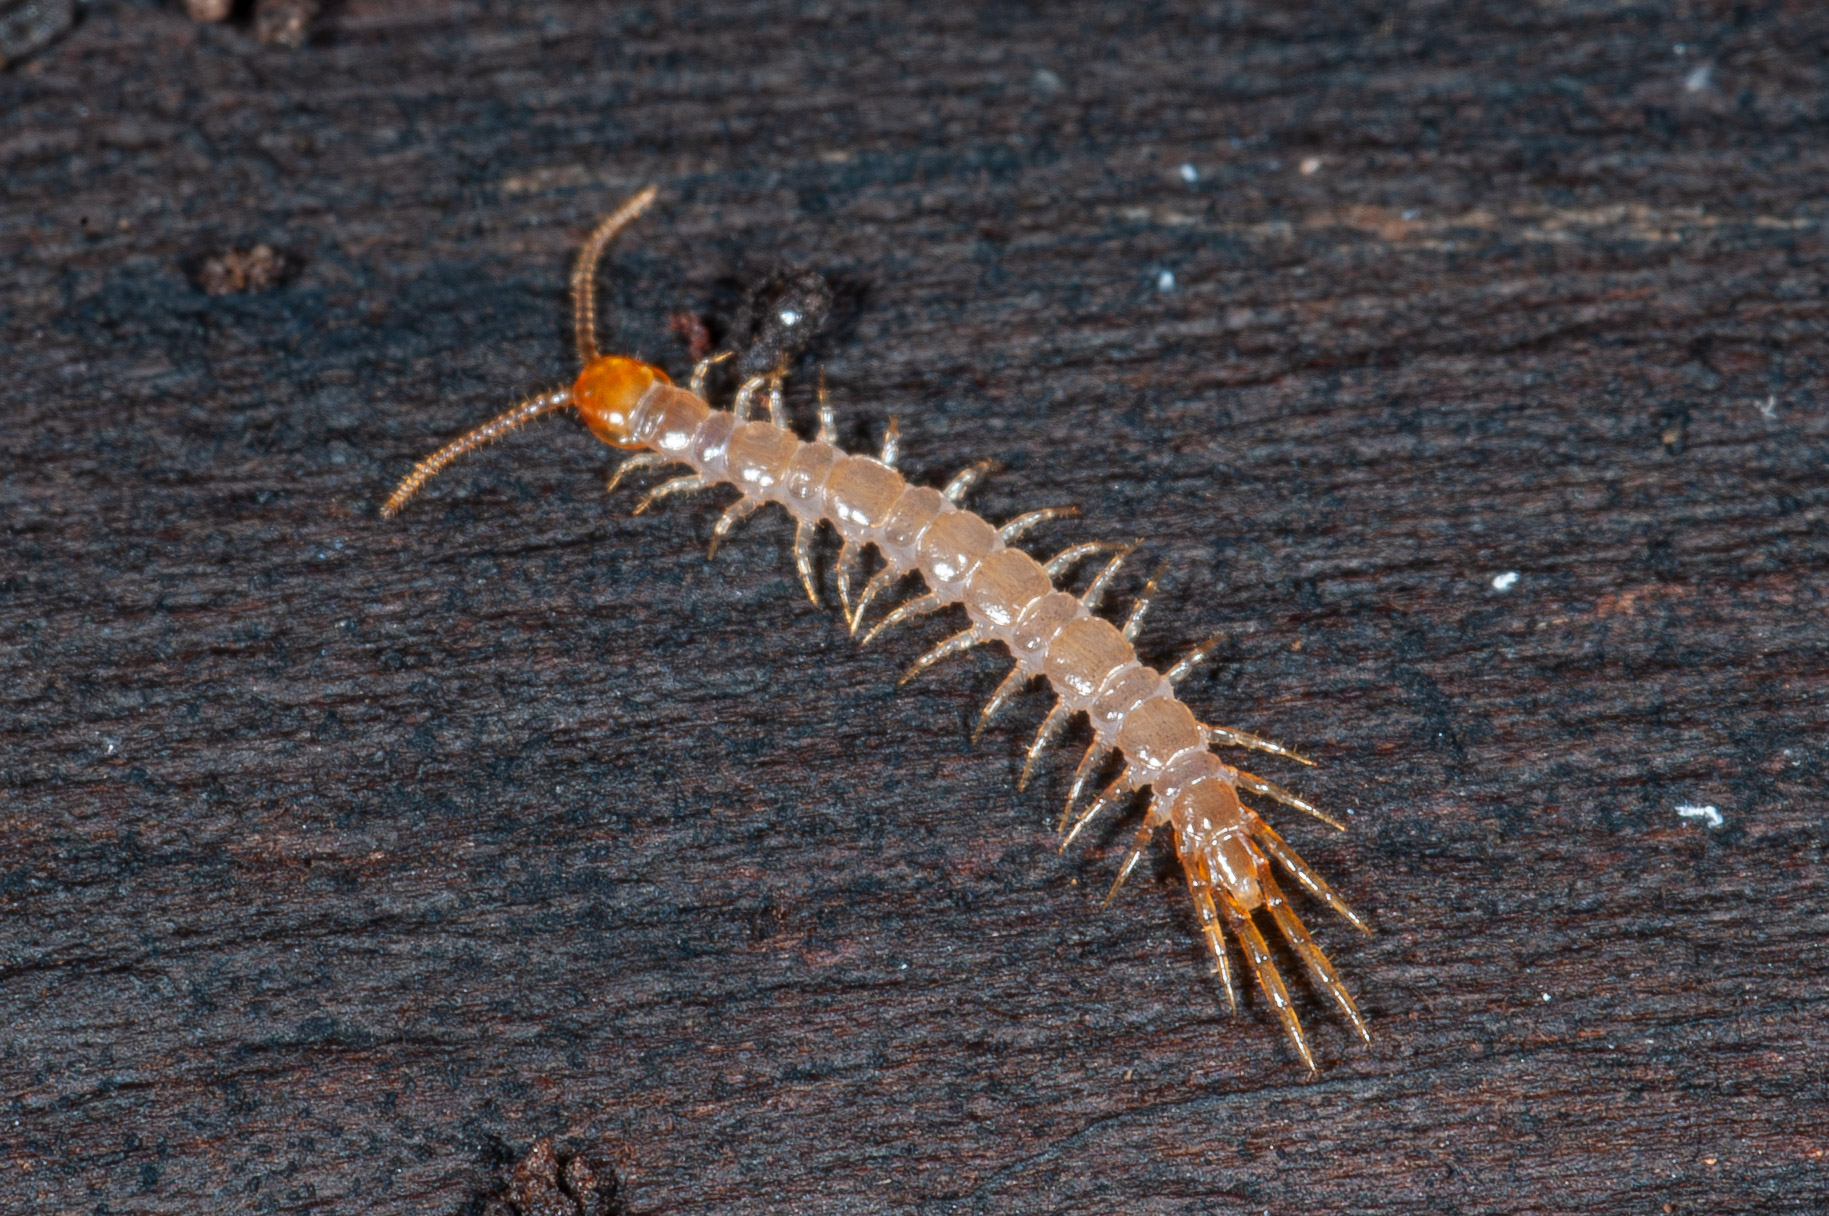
point(342, 860)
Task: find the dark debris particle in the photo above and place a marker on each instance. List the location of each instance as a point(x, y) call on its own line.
point(28, 26)
point(284, 22)
point(779, 316)
point(261, 268)
point(693, 330)
point(548, 1183)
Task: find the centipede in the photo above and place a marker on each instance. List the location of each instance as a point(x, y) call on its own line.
point(1138, 722)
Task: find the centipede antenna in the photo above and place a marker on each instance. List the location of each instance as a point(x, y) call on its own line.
point(584, 270)
point(469, 441)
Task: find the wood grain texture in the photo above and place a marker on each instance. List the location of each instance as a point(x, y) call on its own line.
point(341, 861)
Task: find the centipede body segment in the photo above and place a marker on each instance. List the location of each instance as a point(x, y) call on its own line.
point(1010, 598)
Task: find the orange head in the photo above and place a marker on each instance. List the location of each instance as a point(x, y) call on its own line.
point(607, 392)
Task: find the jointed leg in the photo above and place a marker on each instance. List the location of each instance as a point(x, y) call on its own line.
point(734, 514)
point(959, 643)
point(828, 421)
point(1013, 683)
point(1050, 727)
point(1057, 565)
point(1278, 848)
point(1238, 738)
point(1192, 659)
point(584, 270)
point(879, 582)
point(1257, 785)
point(1316, 962)
point(702, 369)
point(892, 443)
point(1090, 763)
point(921, 605)
point(1131, 858)
point(1022, 523)
point(1139, 607)
point(1096, 591)
point(679, 485)
point(963, 481)
point(803, 559)
point(1267, 978)
point(1200, 889)
point(777, 405)
point(746, 396)
point(1112, 795)
point(635, 464)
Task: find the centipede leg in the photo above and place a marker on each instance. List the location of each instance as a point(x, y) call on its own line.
point(959, 643)
point(1095, 756)
point(1111, 795)
point(734, 514)
point(701, 371)
point(1131, 858)
point(921, 605)
point(1139, 607)
point(1044, 735)
point(634, 464)
point(1318, 967)
point(746, 396)
point(849, 555)
point(1238, 738)
point(1015, 682)
point(1200, 889)
point(828, 420)
point(1189, 661)
point(955, 490)
point(803, 559)
point(1276, 847)
point(879, 582)
point(892, 444)
point(1257, 785)
point(1057, 565)
point(1011, 531)
point(777, 405)
point(1096, 591)
point(1258, 954)
point(667, 489)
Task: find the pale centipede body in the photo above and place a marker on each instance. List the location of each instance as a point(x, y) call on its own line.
point(1010, 598)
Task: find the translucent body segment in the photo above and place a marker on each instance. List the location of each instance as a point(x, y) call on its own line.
point(711, 446)
point(1040, 624)
point(918, 507)
point(859, 493)
point(801, 488)
point(668, 418)
point(951, 547)
point(1082, 655)
point(1156, 732)
point(759, 456)
point(1004, 584)
point(1124, 692)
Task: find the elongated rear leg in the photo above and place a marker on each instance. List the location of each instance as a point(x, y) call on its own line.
point(1200, 889)
point(1258, 955)
point(1296, 934)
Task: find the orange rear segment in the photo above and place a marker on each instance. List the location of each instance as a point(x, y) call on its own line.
point(607, 392)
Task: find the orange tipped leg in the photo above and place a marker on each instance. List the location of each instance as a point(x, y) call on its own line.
point(1258, 955)
point(1200, 889)
point(1275, 846)
point(1318, 967)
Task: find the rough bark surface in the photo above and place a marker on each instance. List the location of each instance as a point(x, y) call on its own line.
point(341, 861)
